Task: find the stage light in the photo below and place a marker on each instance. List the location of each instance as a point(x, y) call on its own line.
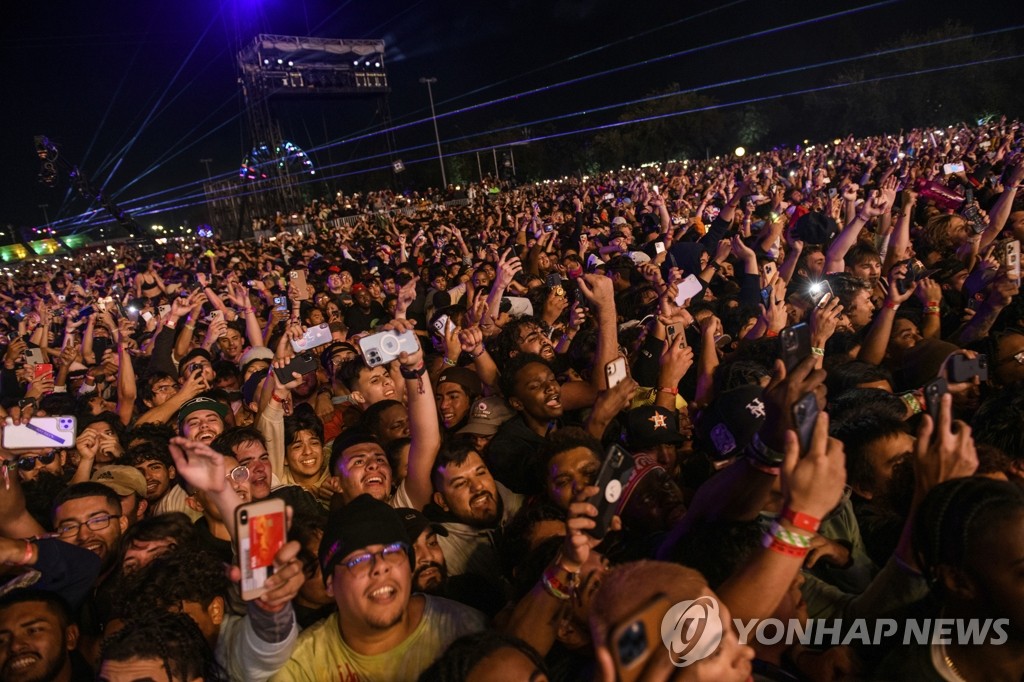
point(355, 63)
point(280, 61)
point(266, 61)
point(377, 64)
point(291, 63)
point(740, 151)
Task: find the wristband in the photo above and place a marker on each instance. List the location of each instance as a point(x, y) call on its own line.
point(447, 362)
point(793, 538)
point(482, 351)
point(668, 389)
point(890, 305)
point(911, 400)
point(931, 310)
point(25, 560)
point(932, 304)
point(771, 334)
point(169, 324)
point(817, 352)
point(415, 373)
point(801, 520)
point(273, 396)
point(782, 548)
point(555, 587)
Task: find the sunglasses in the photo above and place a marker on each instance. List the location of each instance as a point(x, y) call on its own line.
point(28, 463)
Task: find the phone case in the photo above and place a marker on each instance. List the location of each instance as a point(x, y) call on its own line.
point(962, 368)
point(615, 372)
point(41, 432)
point(34, 356)
point(933, 392)
point(688, 288)
point(633, 642)
point(805, 416)
point(796, 344)
point(299, 277)
point(304, 363)
point(615, 472)
point(261, 534)
point(383, 347)
point(319, 335)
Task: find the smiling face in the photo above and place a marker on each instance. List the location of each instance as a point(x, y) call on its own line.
point(375, 601)
point(468, 491)
point(305, 454)
point(452, 402)
point(33, 643)
point(231, 344)
point(363, 468)
point(537, 393)
point(103, 542)
point(158, 478)
point(203, 426)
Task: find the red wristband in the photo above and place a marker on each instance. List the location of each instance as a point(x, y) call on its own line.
point(667, 389)
point(890, 305)
point(276, 399)
point(777, 545)
point(771, 334)
point(801, 520)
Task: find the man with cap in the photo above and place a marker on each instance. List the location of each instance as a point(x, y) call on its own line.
point(430, 571)
point(727, 426)
point(457, 388)
point(485, 418)
point(652, 430)
point(130, 485)
point(202, 419)
point(381, 630)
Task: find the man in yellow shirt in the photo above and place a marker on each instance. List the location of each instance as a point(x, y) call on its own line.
point(381, 631)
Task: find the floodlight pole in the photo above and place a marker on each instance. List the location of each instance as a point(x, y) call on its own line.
point(433, 115)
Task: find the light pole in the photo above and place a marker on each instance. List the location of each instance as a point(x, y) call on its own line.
point(440, 159)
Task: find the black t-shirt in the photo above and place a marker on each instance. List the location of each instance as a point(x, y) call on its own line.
point(357, 320)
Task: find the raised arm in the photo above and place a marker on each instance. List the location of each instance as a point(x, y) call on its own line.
point(834, 258)
point(423, 423)
point(1004, 205)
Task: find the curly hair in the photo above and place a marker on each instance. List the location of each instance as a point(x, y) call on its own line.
point(172, 638)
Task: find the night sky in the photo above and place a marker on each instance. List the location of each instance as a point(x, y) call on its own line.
point(88, 74)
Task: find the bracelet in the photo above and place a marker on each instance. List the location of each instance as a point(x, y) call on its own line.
point(911, 401)
point(801, 520)
point(169, 324)
point(477, 355)
point(29, 547)
point(776, 545)
point(818, 352)
point(415, 373)
point(789, 537)
point(555, 587)
point(447, 362)
point(931, 310)
point(771, 334)
point(668, 389)
point(890, 305)
point(931, 304)
point(273, 396)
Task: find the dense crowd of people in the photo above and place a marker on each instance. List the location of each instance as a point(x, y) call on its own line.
point(511, 435)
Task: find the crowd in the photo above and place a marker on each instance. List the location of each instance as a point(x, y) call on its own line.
point(511, 435)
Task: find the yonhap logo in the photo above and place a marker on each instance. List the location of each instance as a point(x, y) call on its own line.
point(692, 630)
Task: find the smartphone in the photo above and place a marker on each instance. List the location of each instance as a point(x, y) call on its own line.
point(216, 315)
point(549, 228)
point(383, 347)
point(42, 369)
point(34, 356)
point(615, 371)
point(638, 637)
point(319, 335)
point(303, 363)
point(796, 344)
point(84, 313)
point(40, 432)
point(688, 288)
point(1009, 256)
point(611, 479)
point(963, 368)
point(163, 310)
point(441, 325)
point(659, 247)
point(299, 278)
point(933, 392)
point(654, 188)
point(805, 415)
point(281, 303)
point(766, 296)
point(553, 280)
point(832, 192)
point(261, 531)
point(768, 272)
point(950, 168)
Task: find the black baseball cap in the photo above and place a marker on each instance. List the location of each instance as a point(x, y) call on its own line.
point(362, 522)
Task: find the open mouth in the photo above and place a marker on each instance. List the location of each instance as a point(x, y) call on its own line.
point(373, 480)
point(308, 463)
point(23, 661)
point(554, 403)
point(95, 547)
point(383, 594)
point(480, 500)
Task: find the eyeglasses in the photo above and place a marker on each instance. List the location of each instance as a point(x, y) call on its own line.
point(71, 528)
point(28, 462)
point(394, 554)
point(164, 388)
point(238, 475)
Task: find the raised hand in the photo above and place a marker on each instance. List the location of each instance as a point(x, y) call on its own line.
point(813, 484)
point(199, 464)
